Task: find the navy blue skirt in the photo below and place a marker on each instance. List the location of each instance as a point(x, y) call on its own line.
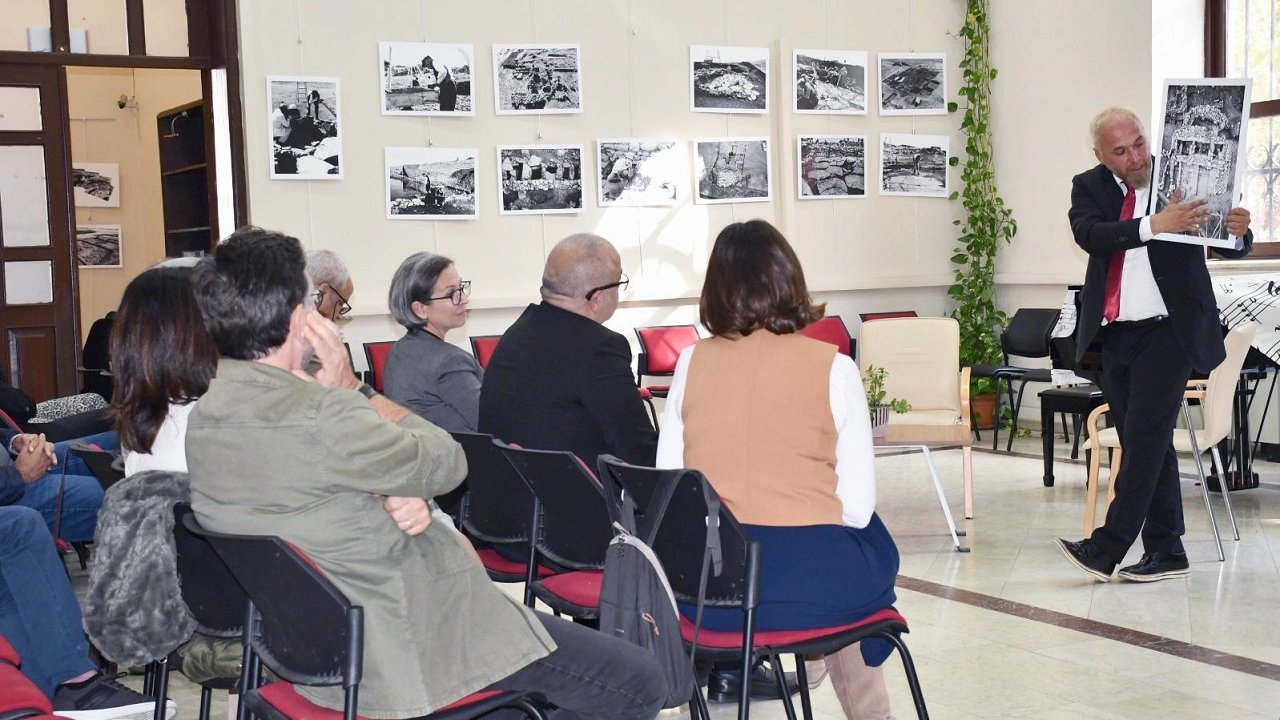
point(818, 576)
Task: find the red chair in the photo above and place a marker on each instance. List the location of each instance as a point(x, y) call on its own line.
point(19, 697)
point(482, 347)
point(886, 315)
point(660, 348)
point(376, 354)
point(831, 329)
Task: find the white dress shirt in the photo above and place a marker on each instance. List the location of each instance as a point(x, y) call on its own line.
point(169, 450)
point(1139, 295)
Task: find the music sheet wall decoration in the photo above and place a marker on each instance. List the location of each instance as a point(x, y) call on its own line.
point(1252, 298)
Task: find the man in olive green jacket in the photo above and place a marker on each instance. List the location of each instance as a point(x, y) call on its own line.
point(344, 474)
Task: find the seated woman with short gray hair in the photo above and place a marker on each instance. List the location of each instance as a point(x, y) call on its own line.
point(438, 381)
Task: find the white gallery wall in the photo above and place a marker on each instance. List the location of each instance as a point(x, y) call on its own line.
point(1059, 63)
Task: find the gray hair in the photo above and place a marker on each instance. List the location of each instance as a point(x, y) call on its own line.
point(324, 266)
point(1110, 115)
point(413, 282)
point(577, 264)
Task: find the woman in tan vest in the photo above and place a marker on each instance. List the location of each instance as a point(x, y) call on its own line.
point(779, 425)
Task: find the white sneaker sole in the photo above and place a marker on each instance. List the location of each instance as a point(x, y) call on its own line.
point(1155, 577)
point(1095, 574)
point(137, 711)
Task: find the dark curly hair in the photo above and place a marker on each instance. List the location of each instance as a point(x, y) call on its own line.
point(754, 281)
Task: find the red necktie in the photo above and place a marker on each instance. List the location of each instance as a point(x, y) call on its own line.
point(1111, 306)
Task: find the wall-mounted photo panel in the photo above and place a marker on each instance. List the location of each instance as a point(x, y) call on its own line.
point(304, 128)
point(829, 82)
point(729, 170)
point(914, 165)
point(96, 184)
point(640, 171)
point(831, 166)
point(540, 179)
point(537, 79)
point(728, 79)
point(426, 78)
point(98, 246)
point(913, 83)
point(1202, 152)
point(431, 183)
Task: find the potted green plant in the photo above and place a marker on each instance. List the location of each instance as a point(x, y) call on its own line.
point(873, 381)
point(988, 222)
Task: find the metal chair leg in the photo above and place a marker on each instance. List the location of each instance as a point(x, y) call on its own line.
point(1226, 494)
point(1204, 485)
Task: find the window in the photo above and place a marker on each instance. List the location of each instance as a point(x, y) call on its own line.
point(1242, 38)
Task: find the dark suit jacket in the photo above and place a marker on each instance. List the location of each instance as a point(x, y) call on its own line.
point(561, 381)
point(1179, 270)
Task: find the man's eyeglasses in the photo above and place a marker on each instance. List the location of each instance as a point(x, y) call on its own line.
point(458, 294)
point(621, 285)
point(343, 307)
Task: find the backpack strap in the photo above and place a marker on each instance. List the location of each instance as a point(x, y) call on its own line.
point(712, 557)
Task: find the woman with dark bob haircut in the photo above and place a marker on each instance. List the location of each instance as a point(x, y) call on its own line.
point(162, 360)
point(778, 423)
point(436, 380)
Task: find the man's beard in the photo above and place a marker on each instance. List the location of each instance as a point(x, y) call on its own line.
point(1140, 179)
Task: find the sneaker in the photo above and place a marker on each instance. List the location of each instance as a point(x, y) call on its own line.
point(102, 698)
point(1088, 556)
point(1157, 566)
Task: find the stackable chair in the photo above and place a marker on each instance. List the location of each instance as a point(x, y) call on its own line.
point(19, 697)
point(887, 315)
point(1216, 397)
point(831, 329)
point(571, 529)
point(482, 347)
point(685, 528)
point(301, 627)
point(497, 509)
point(376, 355)
point(660, 348)
point(1027, 336)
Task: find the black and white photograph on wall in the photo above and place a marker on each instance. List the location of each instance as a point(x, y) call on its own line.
point(431, 183)
point(831, 166)
point(426, 78)
point(540, 179)
point(98, 246)
point(728, 79)
point(729, 170)
point(1201, 151)
point(96, 184)
point(830, 82)
point(537, 79)
point(640, 171)
point(304, 128)
point(913, 83)
point(914, 165)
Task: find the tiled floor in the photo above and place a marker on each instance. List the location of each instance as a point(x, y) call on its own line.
point(1207, 646)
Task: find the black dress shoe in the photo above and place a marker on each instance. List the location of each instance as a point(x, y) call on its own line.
point(1088, 556)
point(723, 685)
point(1157, 566)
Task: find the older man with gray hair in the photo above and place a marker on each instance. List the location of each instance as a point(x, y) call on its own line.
point(332, 282)
point(560, 380)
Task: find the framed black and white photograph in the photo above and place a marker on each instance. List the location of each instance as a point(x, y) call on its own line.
point(540, 179)
point(537, 79)
point(729, 170)
point(640, 171)
point(914, 165)
point(831, 166)
point(431, 183)
point(304, 128)
point(426, 78)
point(1201, 151)
point(913, 83)
point(96, 184)
point(98, 246)
point(829, 82)
point(728, 79)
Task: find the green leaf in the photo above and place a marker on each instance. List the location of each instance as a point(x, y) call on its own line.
point(952, 161)
point(952, 107)
point(955, 195)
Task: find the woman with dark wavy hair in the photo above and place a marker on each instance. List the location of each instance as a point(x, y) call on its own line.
point(162, 360)
point(778, 423)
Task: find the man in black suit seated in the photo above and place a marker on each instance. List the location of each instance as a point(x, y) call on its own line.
point(559, 379)
point(1150, 305)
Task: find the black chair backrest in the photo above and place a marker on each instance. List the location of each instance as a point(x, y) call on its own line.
point(574, 526)
point(498, 504)
point(306, 630)
point(210, 591)
point(1028, 332)
point(102, 463)
point(643, 485)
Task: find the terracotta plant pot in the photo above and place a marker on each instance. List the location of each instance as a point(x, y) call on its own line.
point(984, 410)
point(879, 419)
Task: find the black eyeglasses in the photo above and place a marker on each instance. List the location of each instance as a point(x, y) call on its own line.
point(458, 294)
point(344, 307)
point(621, 285)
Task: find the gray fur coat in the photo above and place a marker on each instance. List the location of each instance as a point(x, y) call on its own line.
point(134, 611)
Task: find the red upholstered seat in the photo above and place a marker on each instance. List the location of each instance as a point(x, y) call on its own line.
point(376, 354)
point(283, 697)
point(7, 653)
point(721, 640)
point(830, 329)
point(660, 348)
point(17, 693)
point(482, 347)
point(581, 588)
point(493, 562)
